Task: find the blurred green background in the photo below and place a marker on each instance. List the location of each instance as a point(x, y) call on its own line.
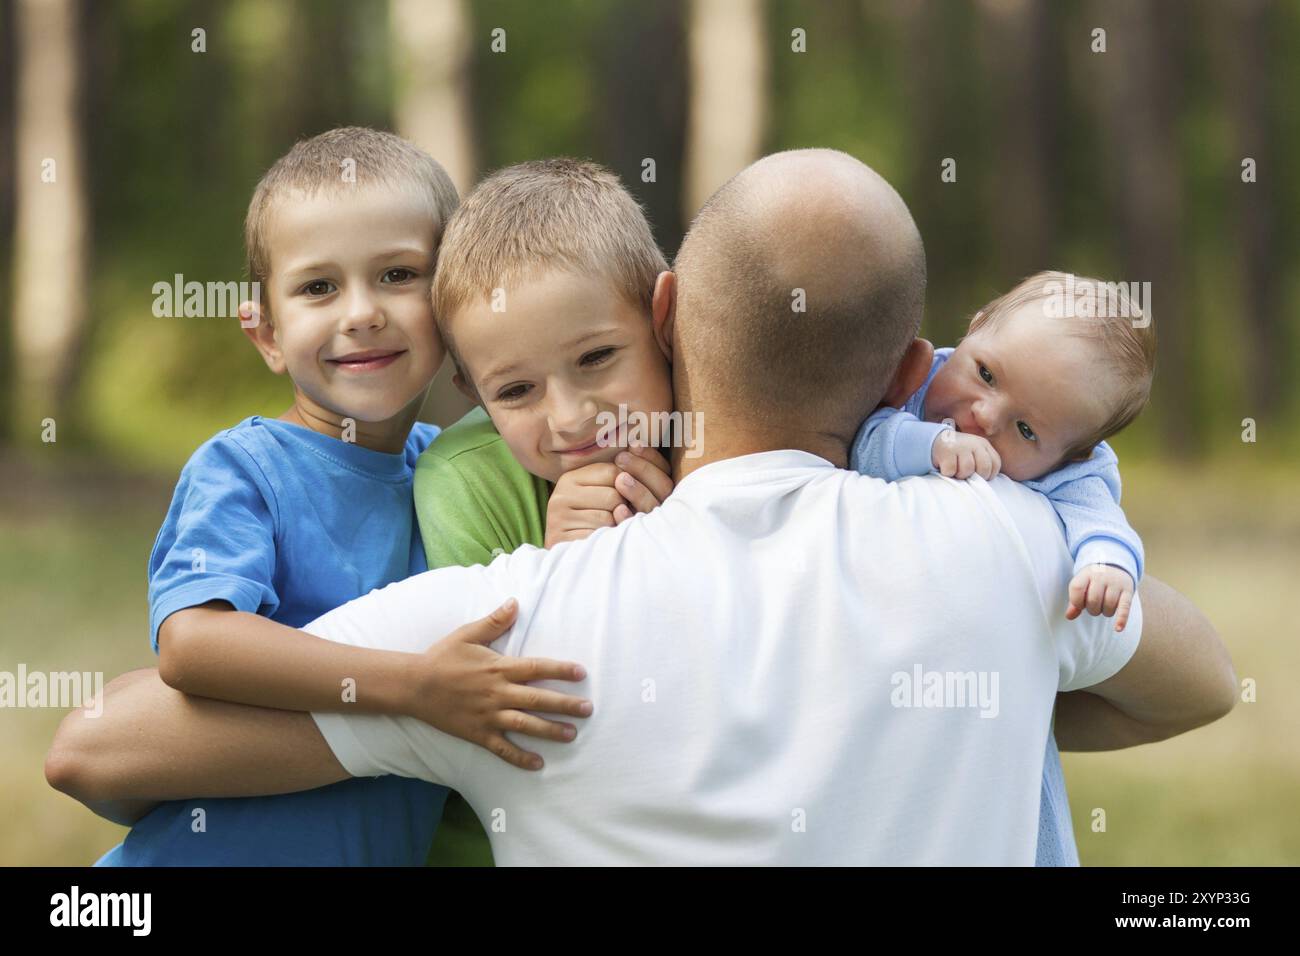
point(1126, 163)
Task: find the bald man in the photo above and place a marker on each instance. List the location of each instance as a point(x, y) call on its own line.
point(788, 663)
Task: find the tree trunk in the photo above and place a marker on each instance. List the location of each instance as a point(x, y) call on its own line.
point(1137, 86)
point(51, 232)
point(431, 106)
point(1243, 55)
point(728, 94)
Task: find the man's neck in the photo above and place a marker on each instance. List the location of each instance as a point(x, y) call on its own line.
point(726, 441)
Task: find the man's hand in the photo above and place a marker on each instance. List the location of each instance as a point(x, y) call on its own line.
point(605, 494)
point(1101, 589)
point(958, 455)
point(468, 690)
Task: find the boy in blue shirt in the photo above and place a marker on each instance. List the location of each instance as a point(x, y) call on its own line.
point(275, 521)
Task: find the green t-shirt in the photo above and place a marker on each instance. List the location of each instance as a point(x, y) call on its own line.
point(473, 499)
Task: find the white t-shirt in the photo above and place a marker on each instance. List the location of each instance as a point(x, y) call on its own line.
point(789, 664)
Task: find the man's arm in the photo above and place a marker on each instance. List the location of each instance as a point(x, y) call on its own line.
point(1179, 678)
point(152, 742)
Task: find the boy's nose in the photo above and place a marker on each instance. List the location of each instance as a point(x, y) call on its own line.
point(570, 415)
point(362, 312)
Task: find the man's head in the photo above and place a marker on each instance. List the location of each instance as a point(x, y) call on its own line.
point(543, 295)
point(800, 287)
point(342, 236)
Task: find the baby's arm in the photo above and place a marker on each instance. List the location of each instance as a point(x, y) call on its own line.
point(894, 444)
point(1107, 552)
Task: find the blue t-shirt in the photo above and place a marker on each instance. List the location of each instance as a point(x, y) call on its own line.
point(282, 521)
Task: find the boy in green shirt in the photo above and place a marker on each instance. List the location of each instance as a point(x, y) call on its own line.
point(542, 294)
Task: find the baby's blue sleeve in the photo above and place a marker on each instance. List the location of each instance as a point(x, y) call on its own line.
point(1086, 496)
point(218, 539)
point(893, 444)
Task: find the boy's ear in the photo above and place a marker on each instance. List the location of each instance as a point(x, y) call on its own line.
point(257, 326)
point(912, 370)
point(663, 310)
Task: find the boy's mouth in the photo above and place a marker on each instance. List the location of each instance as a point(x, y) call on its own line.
point(367, 361)
point(580, 450)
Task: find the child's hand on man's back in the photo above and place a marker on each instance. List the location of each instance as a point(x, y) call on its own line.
point(958, 455)
point(605, 494)
point(466, 689)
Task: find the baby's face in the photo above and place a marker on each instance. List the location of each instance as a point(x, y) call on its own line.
point(565, 349)
point(1026, 386)
point(349, 291)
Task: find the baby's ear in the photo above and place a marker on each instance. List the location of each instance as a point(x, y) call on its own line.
point(257, 326)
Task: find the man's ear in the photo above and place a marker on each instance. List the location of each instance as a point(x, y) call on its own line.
point(465, 387)
point(912, 370)
point(257, 326)
point(663, 311)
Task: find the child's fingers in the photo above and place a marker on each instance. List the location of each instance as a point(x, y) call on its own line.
point(622, 513)
point(523, 759)
point(517, 722)
point(652, 455)
point(587, 519)
point(542, 701)
point(521, 670)
point(487, 629)
point(638, 495)
point(595, 498)
point(1121, 612)
point(1078, 595)
point(1111, 600)
point(1096, 594)
point(647, 474)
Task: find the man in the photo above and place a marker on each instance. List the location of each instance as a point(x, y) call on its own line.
point(788, 663)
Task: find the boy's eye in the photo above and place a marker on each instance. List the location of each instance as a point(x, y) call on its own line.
point(399, 275)
point(318, 288)
point(1026, 432)
point(596, 357)
point(986, 375)
point(511, 392)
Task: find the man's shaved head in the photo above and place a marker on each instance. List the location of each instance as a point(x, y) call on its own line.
point(812, 228)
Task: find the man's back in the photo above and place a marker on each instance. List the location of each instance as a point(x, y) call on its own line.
point(789, 664)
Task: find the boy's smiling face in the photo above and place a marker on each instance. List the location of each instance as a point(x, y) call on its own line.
point(350, 317)
point(565, 349)
point(1025, 385)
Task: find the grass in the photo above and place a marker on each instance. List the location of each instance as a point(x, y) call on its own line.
point(74, 545)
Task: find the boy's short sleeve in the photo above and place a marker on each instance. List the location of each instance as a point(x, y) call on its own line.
point(473, 501)
point(218, 539)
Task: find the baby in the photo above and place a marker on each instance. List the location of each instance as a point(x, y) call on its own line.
point(1044, 375)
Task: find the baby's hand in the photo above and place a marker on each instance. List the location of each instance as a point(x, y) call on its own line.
point(1102, 589)
point(958, 455)
point(605, 494)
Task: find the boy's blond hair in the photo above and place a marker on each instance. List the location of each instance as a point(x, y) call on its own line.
point(350, 157)
point(568, 214)
point(1124, 335)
